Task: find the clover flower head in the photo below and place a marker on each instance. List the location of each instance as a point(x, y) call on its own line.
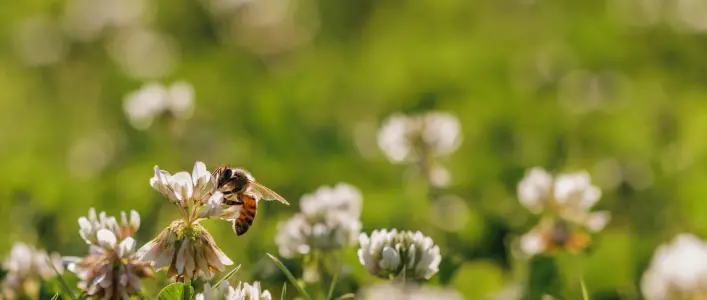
point(153, 100)
point(534, 189)
point(678, 270)
point(329, 219)
point(243, 291)
point(185, 248)
point(110, 270)
point(569, 196)
point(389, 253)
point(388, 291)
point(25, 266)
point(343, 198)
point(90, 225)
point(406, 138)
point(182, 188)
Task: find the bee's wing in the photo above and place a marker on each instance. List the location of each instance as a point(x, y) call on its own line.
point(265, 193)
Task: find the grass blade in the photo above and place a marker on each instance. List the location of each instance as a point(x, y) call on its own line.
point(56, 296)
point(284, 291)
point(346, 296)
point(64, 285)
point(289, 275)
point(585, 294)
point(227, 276)
point(333, 284)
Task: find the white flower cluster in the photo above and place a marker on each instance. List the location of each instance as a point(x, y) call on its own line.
point(329, 219)
point(405, 138)
point(185, 250)
point(25, 265)
point(193, 193)
point(387, 291)
point(243, 291)
point(568, 198)
point(182, 188)
point(570, 195)
point(677, 271)
point(185, 247)
point(91, 225)
point(153, 100)
point(421, 139)
point(111, 268)
point(390, 253)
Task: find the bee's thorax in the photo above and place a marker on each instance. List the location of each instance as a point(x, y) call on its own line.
point(229, 180)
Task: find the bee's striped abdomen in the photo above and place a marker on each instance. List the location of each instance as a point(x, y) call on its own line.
point(247, 216)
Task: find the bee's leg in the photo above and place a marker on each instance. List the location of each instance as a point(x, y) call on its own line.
point(206, 197)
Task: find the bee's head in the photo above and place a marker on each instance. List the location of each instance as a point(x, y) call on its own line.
point(230, 179)
point(218, 174)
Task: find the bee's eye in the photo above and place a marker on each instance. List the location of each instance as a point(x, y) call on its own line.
point(227, 173)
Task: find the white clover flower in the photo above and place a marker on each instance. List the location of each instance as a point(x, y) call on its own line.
point(570, 196)
point(181, 96)
point(441, 132)
point(329, 220)
point(182, 188)
point(576, 191)
point(185, 248)
point(534, 189)
point(533, 243)
point(387, 291)
point(678, 270)
point(25, 266)
point(343, 198)
point(390, 253)
point(407, 138)
point(111, 269)
point(153, 100)
point(89, 226)
point(393, 138)
point(243, 291)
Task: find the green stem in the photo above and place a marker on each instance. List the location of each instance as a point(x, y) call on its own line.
point(337, 269)
point(289, 275)
point(404, 278)
point(322, 271)
point(186, 295)
point(585, 294)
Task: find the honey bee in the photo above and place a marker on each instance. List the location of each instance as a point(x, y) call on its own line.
point(562, 236)
point(240, 188)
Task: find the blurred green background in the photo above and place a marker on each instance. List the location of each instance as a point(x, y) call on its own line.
point(295, 90)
